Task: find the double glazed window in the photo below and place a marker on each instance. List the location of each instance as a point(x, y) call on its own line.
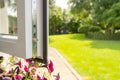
point(8, 17)
point(21, 28)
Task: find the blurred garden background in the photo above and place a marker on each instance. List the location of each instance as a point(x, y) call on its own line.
point(87, 34)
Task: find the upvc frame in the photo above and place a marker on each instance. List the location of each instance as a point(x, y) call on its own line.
point(20, 45)
point(42, 27)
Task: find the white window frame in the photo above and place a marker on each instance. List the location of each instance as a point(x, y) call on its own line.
point(20, 45)
point(42, 30)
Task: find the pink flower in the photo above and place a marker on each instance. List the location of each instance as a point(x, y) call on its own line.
point(28, 61)
point(9, 72)
point(50, 67)
point(13, 78)
point(18, 77)
point(1, 78)
point(26, 68)
point(38, 77)
point(1, 71)
point(57, 77)
point(19, 64)
point(44, 78)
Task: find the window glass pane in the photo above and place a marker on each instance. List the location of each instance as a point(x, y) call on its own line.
point(8, 17)
point(34, 27)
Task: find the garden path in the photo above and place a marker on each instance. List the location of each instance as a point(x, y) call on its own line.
point(62, 67)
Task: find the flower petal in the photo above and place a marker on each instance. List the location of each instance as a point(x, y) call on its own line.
point(57, 77)
point(19, 64)
point(26, 68)
point(28, 61)
point(38, 77)
point(13, 78)
point(9, 72)
point(50, 67)
point(18, 76)
point(44, 78)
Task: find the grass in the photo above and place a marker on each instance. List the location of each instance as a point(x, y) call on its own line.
point(92, 59)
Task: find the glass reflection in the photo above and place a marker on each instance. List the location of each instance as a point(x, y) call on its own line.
point(34, 27)
point(8, 17)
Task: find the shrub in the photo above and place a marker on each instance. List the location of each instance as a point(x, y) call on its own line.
point(96, 35)
point(94, 28)
point(83, 29)
point(116, 36)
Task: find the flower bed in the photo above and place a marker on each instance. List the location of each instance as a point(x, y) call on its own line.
point(20, 69)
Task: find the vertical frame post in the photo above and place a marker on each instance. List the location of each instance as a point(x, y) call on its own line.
point(42, 30)
point(45, 30)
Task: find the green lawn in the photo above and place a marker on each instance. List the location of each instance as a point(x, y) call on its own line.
point(92, 59)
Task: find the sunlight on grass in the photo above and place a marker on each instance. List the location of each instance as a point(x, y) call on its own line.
point(92, 59)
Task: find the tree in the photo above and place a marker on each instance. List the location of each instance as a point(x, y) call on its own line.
point(51, 7)
point(112, 18)
point(99, 6)
point(55, 21)
point(73, 25)
point(104, 13)
point(81, 9)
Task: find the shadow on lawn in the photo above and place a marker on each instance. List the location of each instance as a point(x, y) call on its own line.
point(78, 37)
point(98, 44)
point(105, 44)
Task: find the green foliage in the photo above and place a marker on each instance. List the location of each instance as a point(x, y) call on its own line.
point(51, 3)
point(94, 28)
point(103, 13)
point(12, 25)
point(96, 35)
point(116, 36)
point(112, 15)
point(58, 19)
point(91, 31)
point(51, 7)
point(99, 6)
point(73, 25)
point(81, 10)
point(55, 21)
point(83, 29)
point(79, 6)
point(111, 18)
point(101, 36)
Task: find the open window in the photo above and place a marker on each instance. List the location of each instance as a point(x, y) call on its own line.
point(17, 28)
